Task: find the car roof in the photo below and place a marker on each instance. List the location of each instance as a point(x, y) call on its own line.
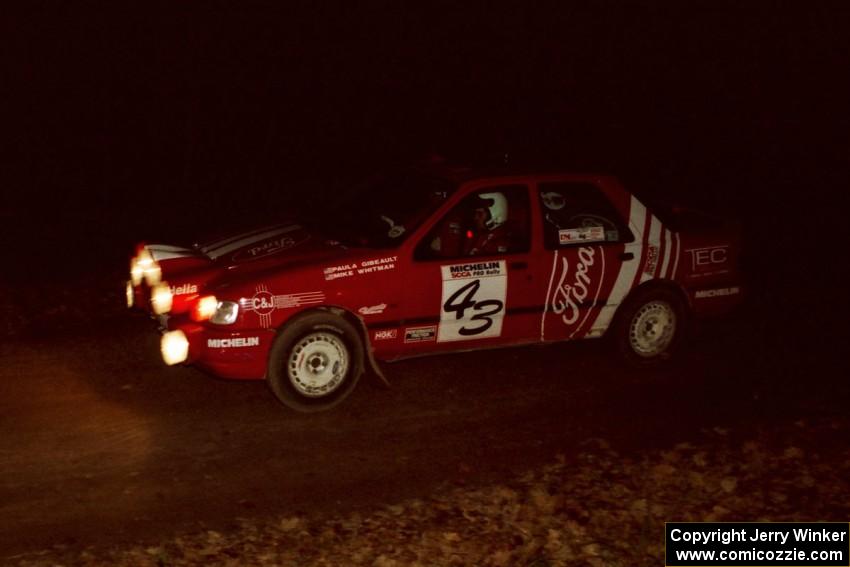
point(468, 173)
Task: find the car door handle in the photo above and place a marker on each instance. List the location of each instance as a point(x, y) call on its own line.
point(518, 265)
point(626, 256)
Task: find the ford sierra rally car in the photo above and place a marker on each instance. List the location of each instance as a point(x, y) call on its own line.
point(432, 260)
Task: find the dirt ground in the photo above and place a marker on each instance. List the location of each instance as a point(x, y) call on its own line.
point(103, 447)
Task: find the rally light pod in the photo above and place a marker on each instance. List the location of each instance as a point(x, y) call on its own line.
point(174, 347)
point(161, 298)
point(136, 271)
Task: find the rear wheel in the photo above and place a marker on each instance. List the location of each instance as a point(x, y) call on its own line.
point(315, 363)
point(649, 327)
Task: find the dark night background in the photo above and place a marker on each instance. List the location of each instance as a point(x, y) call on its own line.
point(165, 123)
point(128, 123)
point(121, 123)
point(172, 121)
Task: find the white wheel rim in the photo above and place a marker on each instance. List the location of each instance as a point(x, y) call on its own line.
point(318, 364)
point(652, 329)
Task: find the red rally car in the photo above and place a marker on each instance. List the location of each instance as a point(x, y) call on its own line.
point(434, 260)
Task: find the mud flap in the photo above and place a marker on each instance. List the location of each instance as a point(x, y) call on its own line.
point(376, 370)
point(370, 357)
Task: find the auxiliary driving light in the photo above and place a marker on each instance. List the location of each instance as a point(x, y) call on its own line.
point(153, 274)
point(144, 265)
point(161, 298)
point(174, 347)
point(205, 308)
point(137, 272)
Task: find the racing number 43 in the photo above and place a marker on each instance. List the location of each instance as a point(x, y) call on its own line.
point(463, 299)
point(472, 305)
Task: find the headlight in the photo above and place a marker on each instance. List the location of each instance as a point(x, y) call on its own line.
point(226, 313)
point(205, 308)
point(131, 295)
point(161, 298)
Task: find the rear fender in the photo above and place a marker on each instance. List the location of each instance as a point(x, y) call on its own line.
point(649, 285)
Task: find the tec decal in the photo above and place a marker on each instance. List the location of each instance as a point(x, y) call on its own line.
point(263, 302)
point(708, 256)
point(709, 261)
point(473, 301)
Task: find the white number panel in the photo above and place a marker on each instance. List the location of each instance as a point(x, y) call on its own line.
point(473, 300)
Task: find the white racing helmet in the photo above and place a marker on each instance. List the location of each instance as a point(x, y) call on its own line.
point(498, 207)
point(553, 200)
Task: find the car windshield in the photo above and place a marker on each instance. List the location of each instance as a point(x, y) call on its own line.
point(384, 210)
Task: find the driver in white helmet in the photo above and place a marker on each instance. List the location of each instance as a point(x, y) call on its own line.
point(489, 232)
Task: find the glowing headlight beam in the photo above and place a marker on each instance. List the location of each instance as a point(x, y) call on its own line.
point(136, 272)
point(205, 308)
point(153, 274)
point(161, 298)
point(174, 347)
point(145, 266)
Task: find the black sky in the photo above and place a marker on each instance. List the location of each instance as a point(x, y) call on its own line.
point(247, 104)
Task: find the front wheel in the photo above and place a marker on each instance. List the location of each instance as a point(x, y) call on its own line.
point(315, 363)
point(649, 327)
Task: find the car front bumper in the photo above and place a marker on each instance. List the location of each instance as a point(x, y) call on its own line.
point(241, 354)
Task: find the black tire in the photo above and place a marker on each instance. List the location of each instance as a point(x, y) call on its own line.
point(315, 362)
point(649, 327)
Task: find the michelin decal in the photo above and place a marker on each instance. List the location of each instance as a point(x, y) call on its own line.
point(235, 342)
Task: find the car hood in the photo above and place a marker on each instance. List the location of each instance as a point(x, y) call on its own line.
point(269, 247)
point(262, 243)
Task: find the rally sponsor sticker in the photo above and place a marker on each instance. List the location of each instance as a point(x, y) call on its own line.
point(372, 309)
point(581, 234)
point(420, 334)
point(651, 260)
point(719, 292)
point(184, 289)
point(264, 302)
point(577, 285)
point(235, 342)
point(269, 247)
point(386, 334)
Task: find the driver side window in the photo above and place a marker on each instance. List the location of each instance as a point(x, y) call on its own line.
point(491, 221)
point(579, 213)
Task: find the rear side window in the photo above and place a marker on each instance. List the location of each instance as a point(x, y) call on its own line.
point(579, 213)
